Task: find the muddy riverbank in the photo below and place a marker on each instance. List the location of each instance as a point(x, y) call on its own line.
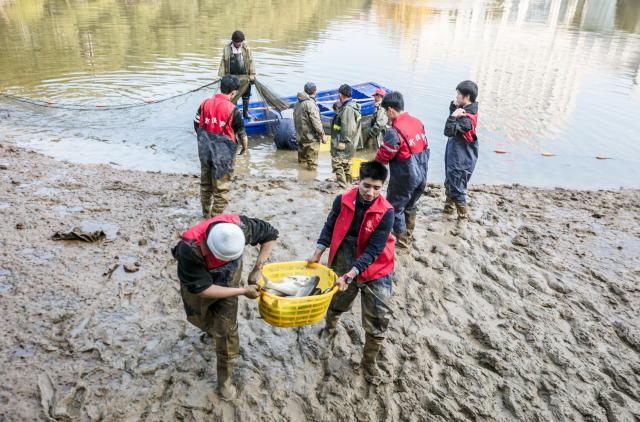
point(530, 313)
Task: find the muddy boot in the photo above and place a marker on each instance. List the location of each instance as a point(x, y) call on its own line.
point(449, 207)
point(463, 211)
point(369, 361)
point(226, 389)
point(402, 242)
point(245, 109)
point(329, 332)
point(341, 180)
point(411, 225)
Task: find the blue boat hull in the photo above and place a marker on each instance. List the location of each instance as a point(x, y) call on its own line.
point(262, 119)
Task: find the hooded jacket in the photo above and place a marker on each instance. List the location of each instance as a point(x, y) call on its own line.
point(306, 117)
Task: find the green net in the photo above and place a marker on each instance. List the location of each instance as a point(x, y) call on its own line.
point(270, 98)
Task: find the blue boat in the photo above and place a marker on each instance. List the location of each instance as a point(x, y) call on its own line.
point(262, 119)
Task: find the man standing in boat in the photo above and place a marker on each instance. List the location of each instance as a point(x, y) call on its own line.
point(345, 135)
point(309, 131)
point(219, 118)
point(237, 60)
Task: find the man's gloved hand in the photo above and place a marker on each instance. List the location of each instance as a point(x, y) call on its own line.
point(252, 292)
point(252, 78)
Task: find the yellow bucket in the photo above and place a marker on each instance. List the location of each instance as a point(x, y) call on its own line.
point(296, 311)
point(355, 167)
point(326, 147)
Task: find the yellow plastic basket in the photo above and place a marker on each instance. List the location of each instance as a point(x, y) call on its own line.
point(355, 167)
point(296, 311)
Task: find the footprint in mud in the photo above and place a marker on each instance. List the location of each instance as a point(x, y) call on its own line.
point(71, 406)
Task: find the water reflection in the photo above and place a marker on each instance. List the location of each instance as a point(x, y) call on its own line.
point(554, 75)
point(530, 75)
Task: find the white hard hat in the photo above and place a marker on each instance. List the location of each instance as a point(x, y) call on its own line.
point(226, 241)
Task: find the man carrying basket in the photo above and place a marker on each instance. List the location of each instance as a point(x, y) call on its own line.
point(361, 251)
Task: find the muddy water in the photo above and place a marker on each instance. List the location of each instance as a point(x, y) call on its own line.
point(558, 76)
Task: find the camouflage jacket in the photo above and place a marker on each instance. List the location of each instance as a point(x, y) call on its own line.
point(306, 116)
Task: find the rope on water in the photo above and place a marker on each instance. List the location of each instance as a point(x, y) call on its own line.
point(51, 104)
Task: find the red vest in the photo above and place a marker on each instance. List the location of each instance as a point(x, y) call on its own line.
point(470, 135)
point(216, 115)
point(383, 265)
point(198, 234)
point(413, 139)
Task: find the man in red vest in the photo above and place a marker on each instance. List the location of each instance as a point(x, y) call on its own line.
point(219, 116)
point(405, 149)
point(209, 267)
point(461, 154)
point(361, 250)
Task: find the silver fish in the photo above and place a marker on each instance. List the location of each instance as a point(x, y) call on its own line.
point(293, 286)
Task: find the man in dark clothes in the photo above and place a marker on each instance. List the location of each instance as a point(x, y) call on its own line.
point(209, 268)
point(461, 153)
point(361, 250)
point(405, 149)
point(214, 115)
point(237, 60)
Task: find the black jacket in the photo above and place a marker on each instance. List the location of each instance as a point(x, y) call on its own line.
point(457, 127)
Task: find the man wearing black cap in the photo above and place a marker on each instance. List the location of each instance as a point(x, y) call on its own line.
point(237, 60)
point(345, 135)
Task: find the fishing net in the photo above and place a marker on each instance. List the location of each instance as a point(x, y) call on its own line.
point(274, 105)
point(271, 99)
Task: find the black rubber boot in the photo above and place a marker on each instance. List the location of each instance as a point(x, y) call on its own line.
point(245, 109)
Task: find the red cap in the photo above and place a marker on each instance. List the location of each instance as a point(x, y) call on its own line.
point(381, 92)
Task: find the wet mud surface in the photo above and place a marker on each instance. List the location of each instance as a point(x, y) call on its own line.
point(529, 313)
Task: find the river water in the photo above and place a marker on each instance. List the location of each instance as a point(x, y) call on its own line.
point(555, 76)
